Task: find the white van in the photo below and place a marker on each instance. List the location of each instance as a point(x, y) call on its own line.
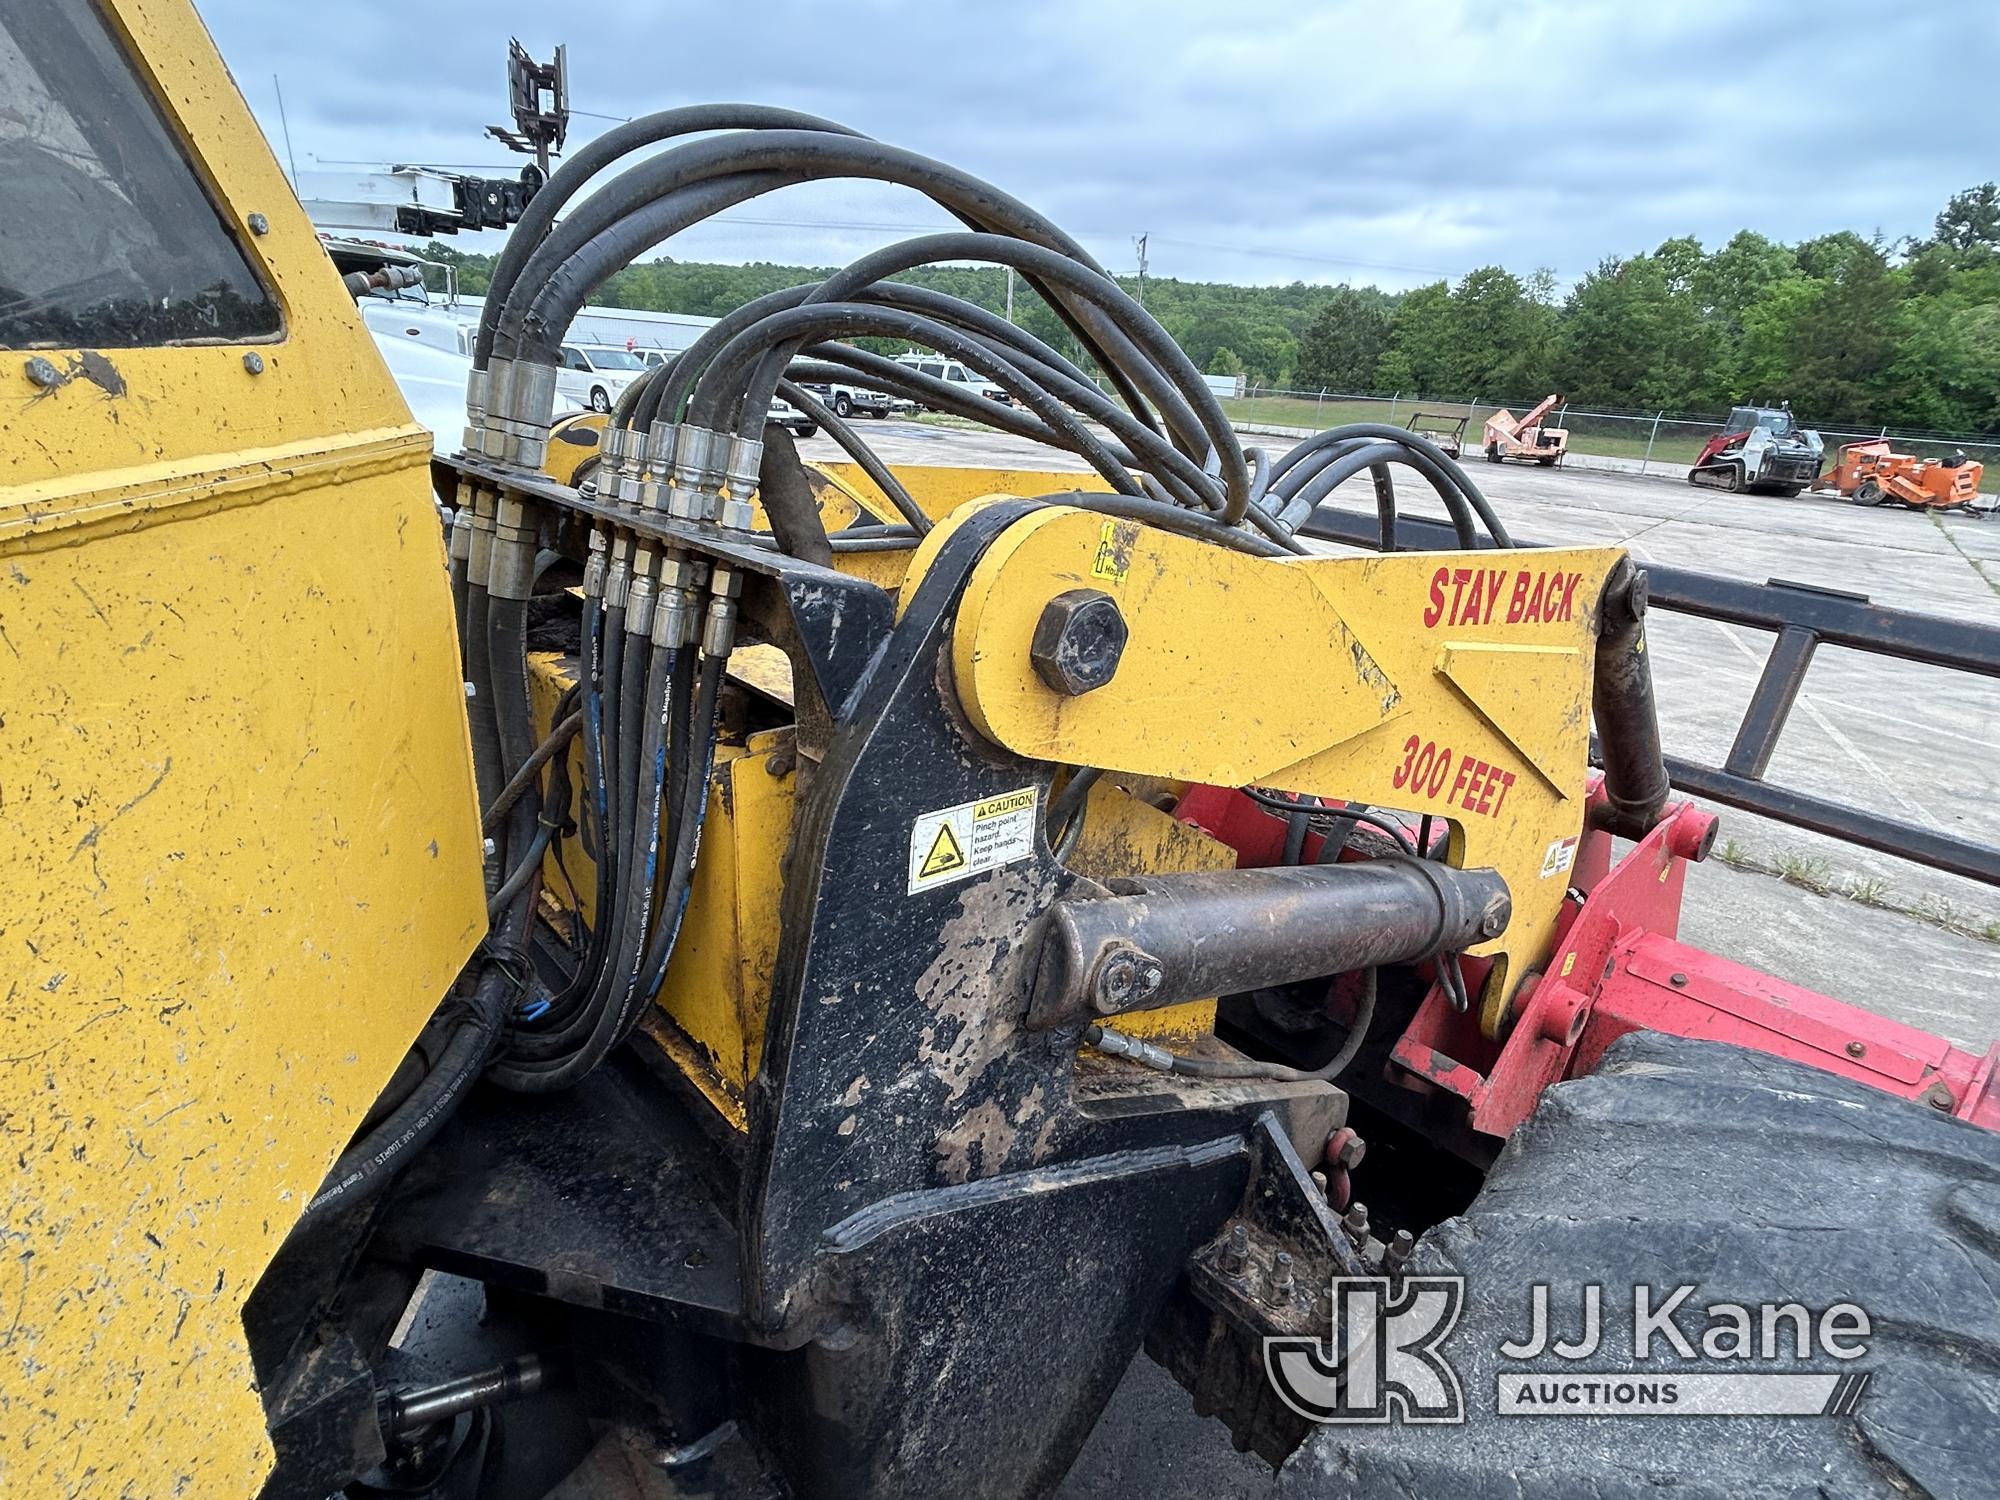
point(595, 375)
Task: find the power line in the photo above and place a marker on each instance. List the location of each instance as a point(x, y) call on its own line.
point(1318, 260)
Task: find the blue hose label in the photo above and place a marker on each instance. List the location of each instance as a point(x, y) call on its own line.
point(956, 843)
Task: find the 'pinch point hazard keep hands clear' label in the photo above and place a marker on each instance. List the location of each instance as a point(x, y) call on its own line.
point(956, 843)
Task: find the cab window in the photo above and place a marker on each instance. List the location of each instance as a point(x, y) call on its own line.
point(108, 239)
point(573, 359)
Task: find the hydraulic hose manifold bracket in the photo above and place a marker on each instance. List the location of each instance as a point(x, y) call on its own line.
point(1164, 939)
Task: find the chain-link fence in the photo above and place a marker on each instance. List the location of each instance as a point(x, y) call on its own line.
point(1647, 441)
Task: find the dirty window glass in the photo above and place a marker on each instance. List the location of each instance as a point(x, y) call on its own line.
point(107, 239)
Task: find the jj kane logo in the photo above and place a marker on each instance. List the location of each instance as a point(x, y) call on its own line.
point(1384, 1360)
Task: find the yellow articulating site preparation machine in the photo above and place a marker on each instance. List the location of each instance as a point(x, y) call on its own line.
point(844, 957)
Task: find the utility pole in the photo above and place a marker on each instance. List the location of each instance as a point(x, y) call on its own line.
point(1010, 294)
point(1140, 241)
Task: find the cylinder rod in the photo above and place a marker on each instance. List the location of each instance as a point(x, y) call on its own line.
point(1628, 724)
point(406, 1410)
point(1161, 940)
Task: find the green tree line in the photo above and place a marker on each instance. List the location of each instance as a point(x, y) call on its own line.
point(1848, 329)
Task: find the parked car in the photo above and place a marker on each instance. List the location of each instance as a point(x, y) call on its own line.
point(937, 366)
point(595, 375)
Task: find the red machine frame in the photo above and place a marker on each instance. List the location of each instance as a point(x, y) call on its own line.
point(1618, 967)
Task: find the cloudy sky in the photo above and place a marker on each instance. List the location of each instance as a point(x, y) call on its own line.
point(1368, 142)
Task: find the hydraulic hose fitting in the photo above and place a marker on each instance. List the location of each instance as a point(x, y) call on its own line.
point(657, 466)
point(611, 470)
point(479, 552)
point(697, 472)
point(1118, 1044)
point(683, 576)
point(510, 570)
point(461, 527)
point(530, 409)
point(629, 485)
point(476, 385)
point(493, 438)
point(639, 601)
point(719, 633)
point(739, 481)
point(594, 568)
point(618, 580)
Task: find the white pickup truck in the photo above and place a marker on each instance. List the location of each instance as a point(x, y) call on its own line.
point(941, 368)
point(857, 400)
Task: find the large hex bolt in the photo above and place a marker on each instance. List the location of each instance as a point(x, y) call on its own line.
point(1078, 641)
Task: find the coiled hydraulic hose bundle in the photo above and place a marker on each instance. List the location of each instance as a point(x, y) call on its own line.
point(687, 439)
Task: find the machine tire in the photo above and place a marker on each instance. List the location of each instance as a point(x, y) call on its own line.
point(1493, 453)
point(600, 399)
point(1868, 492)
point(1757, 1180)
point(1547, 463)
point(805, 430)
point(843, 406)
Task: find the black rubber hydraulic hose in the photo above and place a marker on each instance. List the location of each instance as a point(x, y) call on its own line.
point(559, 1061)
point(593, 157)
point(686, 840)
point(794, 155)
point(857, 449)
point(666, 401)
point(569, 265)
point(721, 389)
point(568, 726)
point(1144, 447)
point(1088, 287)
point(1374, 456)
point(1424, 455)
